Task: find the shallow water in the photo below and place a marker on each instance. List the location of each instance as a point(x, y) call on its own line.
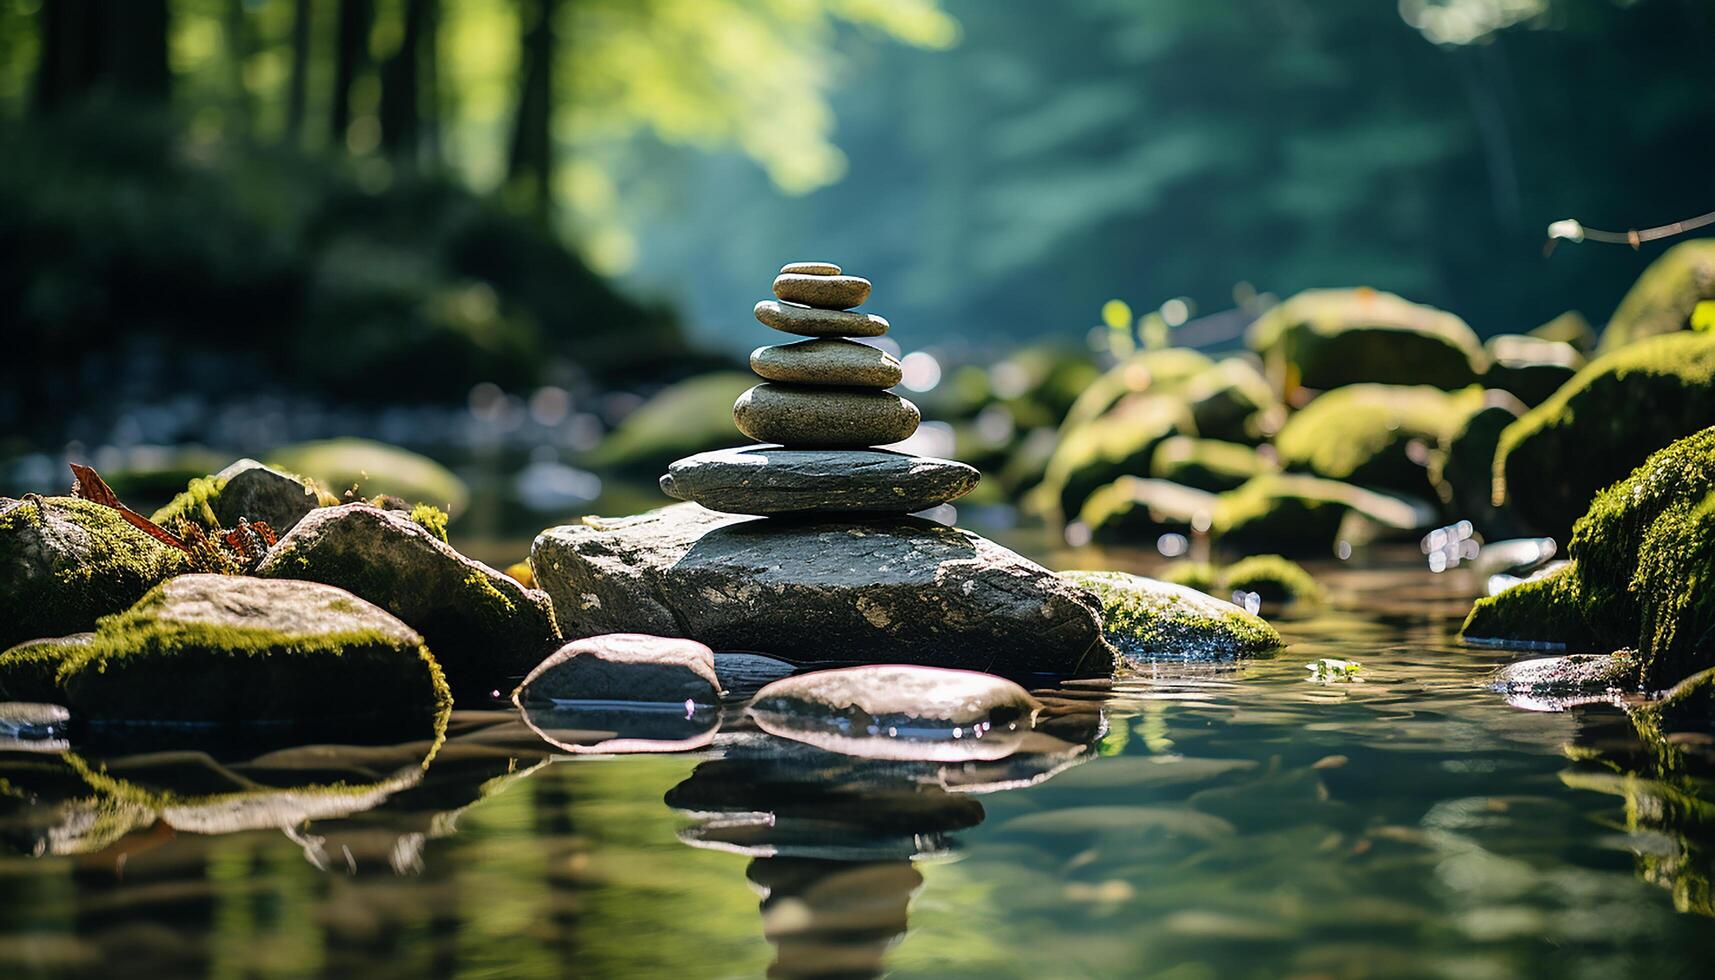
point(1188, 822)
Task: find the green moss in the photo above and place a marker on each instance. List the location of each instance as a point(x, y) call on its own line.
point(1363, 433)
point(1663, 297)
point(1130, 510)
point(1327, 338)
point(1154, 371)
point(195, 503)
point(1277, 511)
point(1550, 464)
point(1231, 401)
point(1548, 611)
point(1273, 579)
point(30, 670)
point(1674, 586)
point(58, 576)
point(1119, 443)
point(1462, 466)
point(432, 519)
point(374, 468)
point(1207, 464)
point(1148, 619)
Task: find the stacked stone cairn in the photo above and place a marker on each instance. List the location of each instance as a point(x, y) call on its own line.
point(820, 412)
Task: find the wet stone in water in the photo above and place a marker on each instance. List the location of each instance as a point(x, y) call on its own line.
point(624, 667)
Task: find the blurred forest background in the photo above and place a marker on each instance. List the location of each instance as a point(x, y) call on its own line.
point(236, 223)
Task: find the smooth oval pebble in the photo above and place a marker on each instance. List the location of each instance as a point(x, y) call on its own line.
point(822, 292)
point(845, 418)
point(764, 480)
point(827, 361)
point(810, 269)
point(807, 321)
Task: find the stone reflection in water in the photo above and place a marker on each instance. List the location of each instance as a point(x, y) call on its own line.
point(615, 727)
point(1666, 778)
point(834, 837)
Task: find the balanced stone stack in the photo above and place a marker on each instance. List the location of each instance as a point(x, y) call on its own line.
point(820, 412)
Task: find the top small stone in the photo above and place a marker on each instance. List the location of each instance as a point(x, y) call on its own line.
point(809, 269)
point(822, 292)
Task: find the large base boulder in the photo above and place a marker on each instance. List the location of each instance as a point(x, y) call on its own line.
point(65, 562)
point(896, 590)
point(482, 624)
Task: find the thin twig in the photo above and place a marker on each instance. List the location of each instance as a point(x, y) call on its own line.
point(1573, 231)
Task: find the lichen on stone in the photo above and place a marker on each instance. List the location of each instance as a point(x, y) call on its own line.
point(431, 519)
point(194, 503)
point(1151, 620)
point(1539, 613)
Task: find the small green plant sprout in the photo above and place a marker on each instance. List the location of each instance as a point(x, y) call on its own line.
point(1328, 670)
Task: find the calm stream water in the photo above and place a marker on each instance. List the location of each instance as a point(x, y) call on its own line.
point(1188, 822)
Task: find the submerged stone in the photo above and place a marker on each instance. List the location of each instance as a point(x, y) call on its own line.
point(893, 589)
point(898, 712)
point(624, 667)
point(233, 650)
point(482, 624)
point(65, 562)
point(1557, 683)
point(1146, 619)
point(1549, 464)
point(246, 489)
point(1327, 338)
point(773, 480)
point(623, 727)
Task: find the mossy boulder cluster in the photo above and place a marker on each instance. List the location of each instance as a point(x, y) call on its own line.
point(1642, 559)
point(1328, 338)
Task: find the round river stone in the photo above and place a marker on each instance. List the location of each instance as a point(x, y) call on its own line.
point(765, 480)
point(810, 269)
point(807, 321)
point(812, 418)
point(823, 292)
point(827, 361)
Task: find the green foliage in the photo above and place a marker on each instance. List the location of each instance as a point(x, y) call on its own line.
point(194, 503)
point(1621, 407)
point(1329, 670)
point(432, 519)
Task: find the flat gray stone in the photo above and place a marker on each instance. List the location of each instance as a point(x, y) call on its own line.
point(821, 291)
point(801, 417)
point(811, 268)
point(889, 590)
point(257, 492)
point(827, 361)
point(807, 321)
point(766, 480)
point(624, 667)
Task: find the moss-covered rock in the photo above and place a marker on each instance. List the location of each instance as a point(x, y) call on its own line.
point(1365, 434)
point(1600, 425)
point(683, 419)
point(1546, 612)
point(1300, 514)
point(1119, 443)
point(1147, 619)
point(1568, 328)
point(1326, 338)
point(1675, 585)
point(1531, 368)
point(1151, 371)
point(1232, 401)
point(1200, 575)
point(30, 670)
point(1463, 464)
point(229, 649)
point(482, 624)
point(246, 489)
point(1272, 579)
point(1662, 299)
point(65, 562)
point(374, 468)
point(1133, 510)
point(1207, 464)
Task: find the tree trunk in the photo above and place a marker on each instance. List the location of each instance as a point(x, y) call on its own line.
point(431, 85)
point(350, 59)
point(90, 45)
point(237, 53)
point(297, 91)
point(400, 89)
point(530, 165)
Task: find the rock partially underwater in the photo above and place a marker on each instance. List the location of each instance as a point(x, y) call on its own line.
point(1146, 619)
point(65, 562)
point(893, 589)
point(231, 650)
point(484, 627)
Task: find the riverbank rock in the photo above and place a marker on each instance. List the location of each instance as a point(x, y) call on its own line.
point(236, 650)
point(1146, 619)
point(892, 589)
point(1557, 683)
point(624, 667)
point(65, 562)
point(899, 712)
point(1326, 338)
point(1462, 466)
point(1273, 580)
point(482, 624)
point(800, 417)
point(1207, 464)
point(1531, 368)
point(1591, 433)
point(1231, 400)
point(29, 671)
point(1374, 435)
point(773, 480)
point(1137, 511)
point(374, 468)
point(1150, 371)
point(1298, 514)
point(246, 489)
point(1663, 297)
point(1118, 443)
